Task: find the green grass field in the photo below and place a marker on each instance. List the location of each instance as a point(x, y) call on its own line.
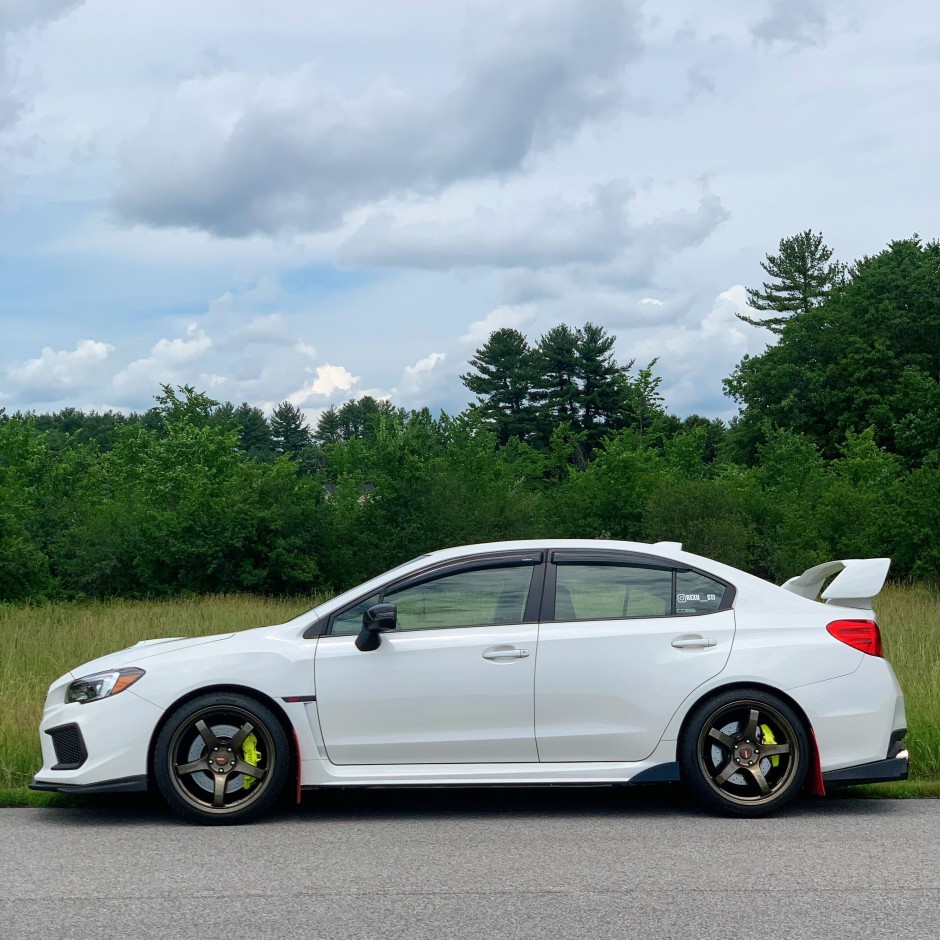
point(38, 644)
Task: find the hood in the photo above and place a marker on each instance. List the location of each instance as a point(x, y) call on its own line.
point(146, 649)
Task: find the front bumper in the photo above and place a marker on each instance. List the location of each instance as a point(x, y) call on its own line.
point(124, 785)
point(879, 771)
point(110, 740)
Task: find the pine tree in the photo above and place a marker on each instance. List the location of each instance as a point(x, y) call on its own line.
point(254, 432)
point(556, 390)
point(289, 431)
point(802, 278)
point(603, 403)
point(503, 384)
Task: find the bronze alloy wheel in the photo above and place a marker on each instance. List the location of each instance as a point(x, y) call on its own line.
point(745, 753)
point(221, 759)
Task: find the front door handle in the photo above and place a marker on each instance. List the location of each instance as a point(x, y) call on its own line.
point(693, 643)
point(505, 654)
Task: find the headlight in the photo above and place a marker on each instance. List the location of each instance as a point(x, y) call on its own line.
point(101, 685)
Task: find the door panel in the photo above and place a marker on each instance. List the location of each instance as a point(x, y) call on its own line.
point(429, 696)
point(605, 690)
point(625, 644)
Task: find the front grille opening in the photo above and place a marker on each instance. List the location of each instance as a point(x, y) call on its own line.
point(69, 747)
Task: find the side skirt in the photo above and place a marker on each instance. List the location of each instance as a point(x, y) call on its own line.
point(879, 771)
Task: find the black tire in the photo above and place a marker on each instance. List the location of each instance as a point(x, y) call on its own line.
point(745, 752)
point(221, 759)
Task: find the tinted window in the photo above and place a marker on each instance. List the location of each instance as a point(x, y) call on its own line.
point(697, 593)
point(608, 592)
point(350, 620)
point(484, 597)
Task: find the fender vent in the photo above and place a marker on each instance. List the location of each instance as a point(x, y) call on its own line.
point(69, 747)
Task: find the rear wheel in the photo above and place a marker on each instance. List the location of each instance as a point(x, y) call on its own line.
point(221, 759)
point(745, 753)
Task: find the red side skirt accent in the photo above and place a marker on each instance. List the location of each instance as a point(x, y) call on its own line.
point(815, 781)
point(297, 752)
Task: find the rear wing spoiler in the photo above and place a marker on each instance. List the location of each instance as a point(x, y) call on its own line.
point(857, 581)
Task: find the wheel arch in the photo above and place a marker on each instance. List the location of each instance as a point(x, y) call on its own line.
point(263, 699)
point(814, 781)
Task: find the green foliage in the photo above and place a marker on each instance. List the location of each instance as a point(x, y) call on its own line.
point(836, 455)
point(502, 381)
point(867, 357)
point(570, 378)
point(289, 432)
point(802, 279)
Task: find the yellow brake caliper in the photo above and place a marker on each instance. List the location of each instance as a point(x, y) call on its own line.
point(251, 755)
point(768, 738)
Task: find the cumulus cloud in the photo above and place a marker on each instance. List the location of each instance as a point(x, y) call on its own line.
point(798, 23)
point(501, 317)
point(272, 329)
point(21, 14)
point(549, 233)
point(330, 379)
point(15, 16)
point(695, 355)
point(422, 382)
point(170, 363)
point(58, 371)
point(235, 156)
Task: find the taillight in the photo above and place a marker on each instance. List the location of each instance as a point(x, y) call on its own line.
point(859, 634)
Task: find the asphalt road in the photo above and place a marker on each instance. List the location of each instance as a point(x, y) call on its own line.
point(506, 864)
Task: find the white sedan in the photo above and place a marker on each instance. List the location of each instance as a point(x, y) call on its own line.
point(528, 662)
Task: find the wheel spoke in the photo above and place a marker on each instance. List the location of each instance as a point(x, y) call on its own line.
point(721, 738)
point(772, 750)
point(218, 790)
point(750, 732)
point(729, 770)
point(242, 768)
point(759, 779)
point(207, 734)
point(238, 739)
point(193, 767)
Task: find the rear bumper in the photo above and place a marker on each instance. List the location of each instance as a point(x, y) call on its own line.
point(122, 785)
point(879, 771)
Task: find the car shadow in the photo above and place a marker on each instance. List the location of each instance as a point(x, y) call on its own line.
point(460, 803)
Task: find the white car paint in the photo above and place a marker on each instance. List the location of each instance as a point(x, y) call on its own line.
point(599, 701)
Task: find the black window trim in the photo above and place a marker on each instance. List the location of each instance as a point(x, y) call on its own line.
point(614, 558)
point(508, 559)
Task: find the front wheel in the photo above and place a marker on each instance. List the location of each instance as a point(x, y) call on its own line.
point(221, 759)
point(745, 753)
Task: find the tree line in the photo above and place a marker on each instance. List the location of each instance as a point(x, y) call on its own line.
point(835, 454)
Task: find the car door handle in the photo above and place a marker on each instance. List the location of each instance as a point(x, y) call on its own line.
point(693, 643)
point(505, 654)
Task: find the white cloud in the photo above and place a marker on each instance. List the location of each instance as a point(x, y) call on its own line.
point(696, 355)
point(170, 363)
point(548, 234)
point(272, 329)
point(500, 318)
point(420, 382)
point(57, 371)
point(206, 159)
point(797, 22)
point(22, 14)
point(330, 379)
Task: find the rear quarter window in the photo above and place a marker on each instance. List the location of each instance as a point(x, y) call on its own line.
point(697, 593)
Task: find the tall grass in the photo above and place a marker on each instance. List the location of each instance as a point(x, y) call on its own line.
point(38, 644)
point(909, 617)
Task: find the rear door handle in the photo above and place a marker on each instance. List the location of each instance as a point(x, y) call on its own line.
point(693, 643)
point(505, 654)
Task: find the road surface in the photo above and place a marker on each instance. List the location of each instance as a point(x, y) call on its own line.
point(477, 863)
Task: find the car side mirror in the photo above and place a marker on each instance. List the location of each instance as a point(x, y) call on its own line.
point(378, 619)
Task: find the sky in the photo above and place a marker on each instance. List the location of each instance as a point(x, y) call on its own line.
point(313, 202)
